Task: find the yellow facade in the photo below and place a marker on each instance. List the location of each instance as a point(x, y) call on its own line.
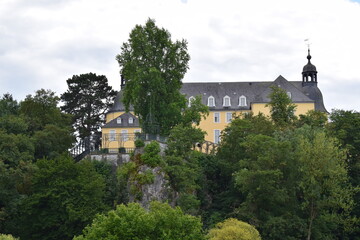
point(116, 138)
point(212, 125)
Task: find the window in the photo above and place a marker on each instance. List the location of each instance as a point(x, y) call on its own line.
point(228, 117)
point(131, 120)
point(190, 100)
point(216, 136)
point(124, 135)
point(226, 102)
point(216, 117)
point(289, 94)
point(242, 101)
point(118, 120)
point(137, 131)
point(211, 101)
point(112, 135)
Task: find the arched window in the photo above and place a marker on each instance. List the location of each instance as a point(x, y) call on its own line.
point(211, 101)
point(226, 102)
point(118, 120)
point(191, 99)
point(131, 120)
point(242, 101)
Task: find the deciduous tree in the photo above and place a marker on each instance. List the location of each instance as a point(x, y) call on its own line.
point(130, 222)
point(153, 66)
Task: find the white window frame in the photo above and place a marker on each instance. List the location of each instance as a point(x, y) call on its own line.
point(217, 134)
point(226, 101)
point(118, 120)
point(228, 119)
point(242, 101)
point(289, 94)
point(213, 101)
point(217, 117)
point(124, 135)
point(131, 120)
point(190, 100)
point(112, 135)
point(137, 131)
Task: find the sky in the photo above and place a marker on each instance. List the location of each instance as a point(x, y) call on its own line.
point(45, 42)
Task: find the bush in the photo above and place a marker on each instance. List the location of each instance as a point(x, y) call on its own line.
point(160, 222)
point(139, 143)
point(151, 155)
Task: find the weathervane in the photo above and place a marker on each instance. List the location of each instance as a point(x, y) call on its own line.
point(307, 42)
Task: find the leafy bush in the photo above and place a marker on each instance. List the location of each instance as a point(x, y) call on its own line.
point(151, 155)
point(139, 143)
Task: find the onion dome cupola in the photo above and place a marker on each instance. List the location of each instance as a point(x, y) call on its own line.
point(309, 74)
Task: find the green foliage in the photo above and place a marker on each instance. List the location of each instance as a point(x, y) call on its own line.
point(41, 109)
point(8, 106)
point(139, 143)
point(296, 176)
point(151, 155)
point(193, 114)
point(345, 126)
point(282, 110)
point(153, 66)
point(7, 237)
point(65, 197)
point(13, 124)
point(233, 229)
point(52, 141)
point(15, 148)
point(182, 139)
point(130, 222)
point(313, 118)
point(88, 98)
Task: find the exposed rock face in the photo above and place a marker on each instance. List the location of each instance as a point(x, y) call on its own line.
point(159, 190)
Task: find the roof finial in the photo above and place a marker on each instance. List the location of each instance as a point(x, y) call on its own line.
point(308, 45)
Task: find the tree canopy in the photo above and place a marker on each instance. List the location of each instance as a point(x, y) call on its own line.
point(153, 66)
point(88, 98)
point(128, 222)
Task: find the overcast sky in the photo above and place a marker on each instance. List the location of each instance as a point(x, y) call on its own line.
point(45, 42)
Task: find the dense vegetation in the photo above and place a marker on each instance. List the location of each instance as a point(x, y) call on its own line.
point(294, 178)
point(278, 177)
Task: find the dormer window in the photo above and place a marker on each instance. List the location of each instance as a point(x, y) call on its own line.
point(131, 120)
point(118, 120)
point(226, 102)
point(242, 101)
point(211, 101)
point(191, 99)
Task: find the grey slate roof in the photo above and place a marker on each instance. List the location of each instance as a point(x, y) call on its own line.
point(255, 92)
point(124, 121)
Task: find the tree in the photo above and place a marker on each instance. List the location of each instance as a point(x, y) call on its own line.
point(297, 177)
point(65, 197)
point(88, 98)
point(282, 110)
point(41, 109)
point(8, 105)
point(153, 66)
point(130, 222)
point(345, 126)
point(49, 128)
point(233, 229)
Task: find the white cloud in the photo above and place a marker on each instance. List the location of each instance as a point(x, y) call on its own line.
point(42, 43)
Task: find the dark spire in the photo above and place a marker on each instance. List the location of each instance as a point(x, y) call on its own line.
point(309, 74)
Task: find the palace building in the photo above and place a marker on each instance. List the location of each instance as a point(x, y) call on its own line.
point(224, 99)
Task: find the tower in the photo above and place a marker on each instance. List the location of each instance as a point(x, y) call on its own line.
point(309, 74)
